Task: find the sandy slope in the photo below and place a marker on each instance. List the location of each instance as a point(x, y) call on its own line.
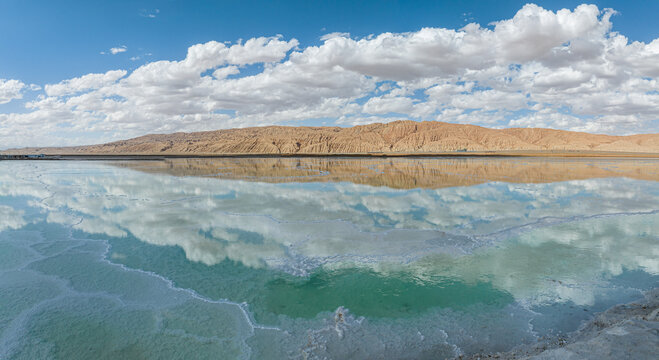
point(394, 137)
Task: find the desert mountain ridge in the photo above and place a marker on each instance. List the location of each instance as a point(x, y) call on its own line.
point(407, 137)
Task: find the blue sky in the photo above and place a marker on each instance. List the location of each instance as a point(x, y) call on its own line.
point(47, 42)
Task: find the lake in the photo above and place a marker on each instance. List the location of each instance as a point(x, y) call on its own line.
point(305, 258)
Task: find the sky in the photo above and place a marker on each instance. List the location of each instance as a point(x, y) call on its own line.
point(84, 72)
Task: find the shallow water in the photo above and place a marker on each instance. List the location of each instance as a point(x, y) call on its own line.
point(316, 258)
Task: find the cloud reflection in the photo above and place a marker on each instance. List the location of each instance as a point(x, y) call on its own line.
point(297, 227)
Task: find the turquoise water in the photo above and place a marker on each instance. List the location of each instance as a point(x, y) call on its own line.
point(111, 260)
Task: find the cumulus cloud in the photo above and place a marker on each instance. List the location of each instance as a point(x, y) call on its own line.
point(10, 90)
point(333, 35)
point(566, 70)
point(84, 83)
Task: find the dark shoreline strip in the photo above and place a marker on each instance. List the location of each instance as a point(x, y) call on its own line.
point(357, 155)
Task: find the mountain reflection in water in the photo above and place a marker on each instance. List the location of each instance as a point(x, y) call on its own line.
point(317, 257)
point(404, 173)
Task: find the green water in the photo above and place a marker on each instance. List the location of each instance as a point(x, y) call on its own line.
point(99, 260)
point(373, 295)
point(362, 290)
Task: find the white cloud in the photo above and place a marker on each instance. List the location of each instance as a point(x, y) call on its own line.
point(83, 83)
point(564, 69)
point(223, 72)
point(334, 35)
point(151, 14)
point(10, 89)
point(384, 105)
point(535, 33)
point(117, 50)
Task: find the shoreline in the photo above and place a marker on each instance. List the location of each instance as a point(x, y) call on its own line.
point(626, 330)
point(136, 156)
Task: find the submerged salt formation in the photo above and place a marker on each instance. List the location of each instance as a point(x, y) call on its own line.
point(145, 263)
point(621, 332)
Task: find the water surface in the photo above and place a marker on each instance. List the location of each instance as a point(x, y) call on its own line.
point(316, 257)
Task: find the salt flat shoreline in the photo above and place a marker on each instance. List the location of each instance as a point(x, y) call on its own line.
point(17, 155)
point(624, 331)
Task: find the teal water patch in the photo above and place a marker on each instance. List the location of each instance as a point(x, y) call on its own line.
point(271, 293)
point(225, 280)
point(12, 255)
point(64, 300)
point(19, 291)
point(97, 328)
point(367, 293)
point(86, 328)
point(101, 262)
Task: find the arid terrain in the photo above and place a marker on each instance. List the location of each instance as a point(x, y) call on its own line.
point(400, 137)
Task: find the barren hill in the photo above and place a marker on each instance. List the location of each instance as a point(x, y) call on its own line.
point(396, 137)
